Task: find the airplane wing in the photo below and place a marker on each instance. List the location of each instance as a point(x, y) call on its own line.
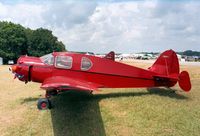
point(65, 83)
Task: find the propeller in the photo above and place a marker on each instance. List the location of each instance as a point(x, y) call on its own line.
point(29, 72)
point(13, 69)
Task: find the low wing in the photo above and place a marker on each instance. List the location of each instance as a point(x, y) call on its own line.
point(65, 83)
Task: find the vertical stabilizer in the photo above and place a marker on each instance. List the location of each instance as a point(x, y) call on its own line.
point(167, 64)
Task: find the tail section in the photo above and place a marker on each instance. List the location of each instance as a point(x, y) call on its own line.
point(167, 67)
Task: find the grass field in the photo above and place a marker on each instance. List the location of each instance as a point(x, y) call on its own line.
point(112, 112)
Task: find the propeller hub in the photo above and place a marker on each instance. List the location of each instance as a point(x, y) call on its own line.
point(14, 68)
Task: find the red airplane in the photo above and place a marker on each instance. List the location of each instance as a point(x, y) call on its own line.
point(62, 71)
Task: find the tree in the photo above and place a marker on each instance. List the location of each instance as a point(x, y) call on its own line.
point(42, 41)
point(15, 40)
point(191, 53)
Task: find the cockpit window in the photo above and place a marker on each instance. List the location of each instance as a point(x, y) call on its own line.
point(64, 62)
point(86, 63)
point(47, 59)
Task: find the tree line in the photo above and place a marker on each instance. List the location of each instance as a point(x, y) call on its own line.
point(16, 40)
point(190, 53)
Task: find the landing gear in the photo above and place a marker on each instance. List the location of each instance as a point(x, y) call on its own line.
point(44, 104)
point(91, 93)
point(50, 93)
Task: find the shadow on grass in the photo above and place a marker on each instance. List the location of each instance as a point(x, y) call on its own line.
point(78, 113)
point(167, 92)
point(150, 91)
point(29, 99)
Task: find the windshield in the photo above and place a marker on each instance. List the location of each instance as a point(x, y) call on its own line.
point(47, 59)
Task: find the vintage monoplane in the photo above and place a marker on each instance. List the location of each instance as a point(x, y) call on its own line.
point(62, 71)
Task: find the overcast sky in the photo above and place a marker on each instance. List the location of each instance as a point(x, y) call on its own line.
point(123, 26)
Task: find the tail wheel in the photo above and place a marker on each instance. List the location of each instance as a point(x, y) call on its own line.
point(43, 104)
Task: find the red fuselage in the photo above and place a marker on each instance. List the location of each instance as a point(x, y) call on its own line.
point(103, 72)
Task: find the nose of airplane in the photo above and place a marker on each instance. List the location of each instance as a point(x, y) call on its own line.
point(14, 68)
point(22, 69)
point(20, 72)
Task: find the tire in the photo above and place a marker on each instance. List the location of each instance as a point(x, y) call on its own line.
point(43, 104)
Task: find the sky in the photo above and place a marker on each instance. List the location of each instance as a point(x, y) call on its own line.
point(121, 26)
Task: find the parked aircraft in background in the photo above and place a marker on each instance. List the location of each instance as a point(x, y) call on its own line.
point(63, 71)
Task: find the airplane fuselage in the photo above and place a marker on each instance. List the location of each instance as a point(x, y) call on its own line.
point(102, 72)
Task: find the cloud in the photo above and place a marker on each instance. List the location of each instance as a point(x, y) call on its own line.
point(122, 26)
point(25, 14)
point(68, 14)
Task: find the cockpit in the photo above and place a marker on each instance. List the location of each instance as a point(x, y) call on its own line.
point(47, 59)
point(66, 62)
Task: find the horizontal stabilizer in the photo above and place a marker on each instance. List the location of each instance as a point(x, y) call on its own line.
point(184, 81)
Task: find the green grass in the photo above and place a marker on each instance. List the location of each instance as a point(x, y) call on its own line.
point(123, 112)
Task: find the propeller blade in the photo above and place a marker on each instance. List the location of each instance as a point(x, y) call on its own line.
point(15, 76)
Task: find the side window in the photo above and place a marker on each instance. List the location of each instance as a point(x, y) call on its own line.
point(86, 63)
point(64, 62)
